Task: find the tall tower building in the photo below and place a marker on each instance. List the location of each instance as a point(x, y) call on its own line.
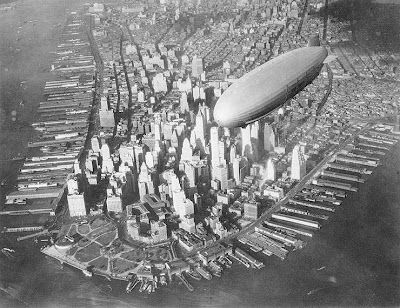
point(271, 171)
point(200, 126)
point(197, 66)
point(222, 152)
point(214, 142)
point(298, 164)
point(205, 110)
point(246, 142)
point(187, 152)
point(269, 138)
point(184, 103)
point(221, 174)
point(76, 205)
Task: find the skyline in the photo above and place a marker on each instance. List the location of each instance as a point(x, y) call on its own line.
point(126, 155)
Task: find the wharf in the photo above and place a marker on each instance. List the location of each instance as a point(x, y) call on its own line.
point(374, 146)
point(239, 253)
point(383, 135)
point(357, 161)
point(286, 239)
point(266, 243)
point(185, 282)
point(334, 184)
point(35, 194)
point(308, 223)
point(290, 209)
point(348, 168)
point(313, 205)
point(342, 176)
point(281, 226)
point(55, 142)
point(377, 140)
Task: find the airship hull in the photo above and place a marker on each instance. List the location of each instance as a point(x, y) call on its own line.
point(268, 86)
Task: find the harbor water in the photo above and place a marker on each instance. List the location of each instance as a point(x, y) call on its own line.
point(352, 261)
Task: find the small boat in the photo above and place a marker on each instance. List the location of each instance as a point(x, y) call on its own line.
point(87, 273)
point(131, 285)
point(144, 284)
point(321, 268)
point(9, 253)
point(314, 291)
point(194, 275)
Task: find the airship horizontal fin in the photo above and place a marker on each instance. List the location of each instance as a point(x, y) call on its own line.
point(330, 58)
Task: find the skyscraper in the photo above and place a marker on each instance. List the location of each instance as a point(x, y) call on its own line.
point(269, 138)
point(187, 151)
point(251, 210)
point(246, 142)
point(298, 164)
point(197, 66)
point(220, 173)
point(214, 142)
point(271, 171)
point(200, 126)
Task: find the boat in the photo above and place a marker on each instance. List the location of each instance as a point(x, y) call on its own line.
point(314, 291)
point(132, 284)
point(204, 273)
point(163, 280)
point(87, 273)
point(215, 272)
point(9, 253)
point(228, 261)
point(143, 285)
point(193, 274)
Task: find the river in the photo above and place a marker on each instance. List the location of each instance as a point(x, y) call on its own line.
point(352, 261)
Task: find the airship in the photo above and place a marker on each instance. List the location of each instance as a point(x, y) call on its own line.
point(269, 86)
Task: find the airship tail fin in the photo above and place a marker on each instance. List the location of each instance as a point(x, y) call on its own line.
point(314, 41)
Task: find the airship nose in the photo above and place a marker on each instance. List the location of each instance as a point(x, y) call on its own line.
point(221, 114)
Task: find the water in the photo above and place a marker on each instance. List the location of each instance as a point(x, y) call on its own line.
point(358, 245)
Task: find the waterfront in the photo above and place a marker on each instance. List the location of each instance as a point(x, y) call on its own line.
point(360, 269)
point(357, 247)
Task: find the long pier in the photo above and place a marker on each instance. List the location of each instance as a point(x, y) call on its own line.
point(348, 168)
point(312, 205)
point(342, 176)
point(185, 282)
point(357, 161)
point(334, 184)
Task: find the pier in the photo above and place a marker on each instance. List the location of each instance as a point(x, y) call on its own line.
point(185, 282)
point(312, 205)
point(281, 226)
point(349, 168)
point(334, 184)
point(357, 161)
point(342, 176)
